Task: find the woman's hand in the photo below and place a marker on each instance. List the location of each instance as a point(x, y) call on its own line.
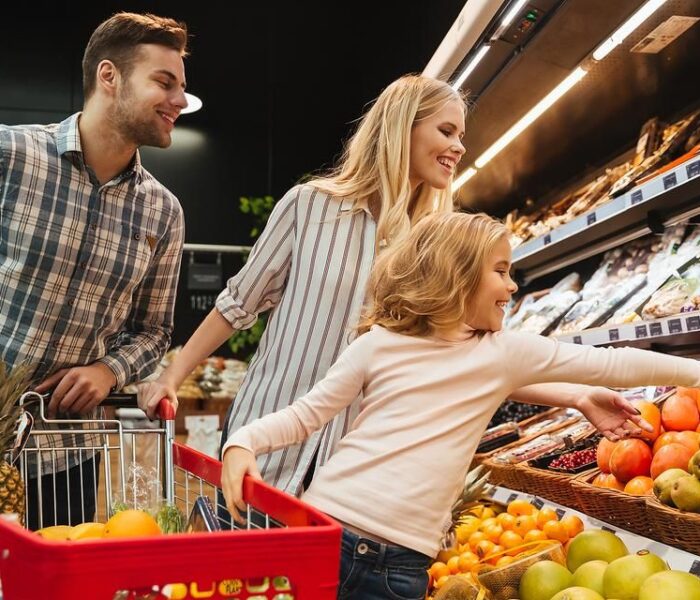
point(151, 393)
point(238, 462)
point(613, 415)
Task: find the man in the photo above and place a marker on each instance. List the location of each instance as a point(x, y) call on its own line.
point(90, 247)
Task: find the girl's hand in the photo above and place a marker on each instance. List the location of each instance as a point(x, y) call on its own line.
point(151, 393)
point(611, 414)
point(238, 462)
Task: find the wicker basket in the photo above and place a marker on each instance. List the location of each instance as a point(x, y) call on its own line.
point(674, 527)
point(549, 485)
point(612, 506)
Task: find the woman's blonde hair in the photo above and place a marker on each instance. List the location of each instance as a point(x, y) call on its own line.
point(427, 280)
point(376, 160)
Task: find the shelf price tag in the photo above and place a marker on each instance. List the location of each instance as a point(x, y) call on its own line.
point(577, 339)
point(693, 323)
point(640, 331)
point(591, 218)
point(547, 239)
point(655, 329)
point(537, 503)
point(511, 498)
point(693, 169)
point(695, 568)
point(674, 326)
point(560, 512)
point(636, 197)
point(670, 181)
point(614, 335)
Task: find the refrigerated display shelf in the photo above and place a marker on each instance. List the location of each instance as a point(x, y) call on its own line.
point(670, 197)
point(676, 330)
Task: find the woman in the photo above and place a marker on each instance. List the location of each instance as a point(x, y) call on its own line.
point(311, 267)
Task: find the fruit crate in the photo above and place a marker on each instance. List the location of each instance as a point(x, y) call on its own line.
point(287, 549)
point(612, 506)
point(674, 527)
point(537, 476)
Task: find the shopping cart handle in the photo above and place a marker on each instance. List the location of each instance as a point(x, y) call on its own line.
point(166, 410)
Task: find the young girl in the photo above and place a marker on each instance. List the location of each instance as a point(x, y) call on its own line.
point(433, 366)
point(311, 265)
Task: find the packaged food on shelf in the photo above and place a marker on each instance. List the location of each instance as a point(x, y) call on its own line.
point(680, 293)
point(511, 410)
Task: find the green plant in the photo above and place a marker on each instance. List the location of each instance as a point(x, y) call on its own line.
point(246, 340)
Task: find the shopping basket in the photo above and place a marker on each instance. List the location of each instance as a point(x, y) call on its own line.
point(287, 551)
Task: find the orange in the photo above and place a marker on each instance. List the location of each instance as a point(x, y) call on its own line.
point(640, 486)
point(668, 437)
point(546, 514)
point(535, 535)
point(520, 507)
point(524, 524)
point(652, 415)
point(573, 525)
point(488, 523)
point(453, 565)
point(504, 561)
point(509, 539)
point(467, 560)
point(131, 523)
point(484, 548)
point(506, 520)
point(670, 456)
point(493, 532)
point(475, 538)
point(603, 452)
point(438, 569)
point(495, 554)
point(607, 480)
point(442, 581)
point(688, 438)
point(555, 530)
point(680, 413)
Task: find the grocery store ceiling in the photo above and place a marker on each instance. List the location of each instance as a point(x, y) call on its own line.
point(598, 120)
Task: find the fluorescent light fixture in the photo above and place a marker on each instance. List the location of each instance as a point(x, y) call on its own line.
point(510, 15)
point(644, 12)
point(193, 104)
point(464, 176)
point(471, 65)
point(534, 113)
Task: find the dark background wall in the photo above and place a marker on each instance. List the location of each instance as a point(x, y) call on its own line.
point(281, 83)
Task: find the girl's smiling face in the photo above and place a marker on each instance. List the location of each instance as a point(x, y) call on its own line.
point(496, 287)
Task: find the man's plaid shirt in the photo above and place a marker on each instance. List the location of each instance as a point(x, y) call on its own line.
point(88, 272)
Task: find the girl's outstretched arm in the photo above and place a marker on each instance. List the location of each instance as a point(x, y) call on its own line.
point(609, 411)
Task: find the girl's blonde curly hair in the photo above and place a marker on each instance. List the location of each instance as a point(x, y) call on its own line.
point(426, 281)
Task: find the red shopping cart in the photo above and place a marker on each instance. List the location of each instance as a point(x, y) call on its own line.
point(287, 551)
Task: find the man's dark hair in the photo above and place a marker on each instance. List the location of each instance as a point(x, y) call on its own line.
point(118, 37)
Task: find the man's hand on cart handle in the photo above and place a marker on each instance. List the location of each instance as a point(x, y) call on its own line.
point(79, 389)
point(150, 394)
point(238, 462)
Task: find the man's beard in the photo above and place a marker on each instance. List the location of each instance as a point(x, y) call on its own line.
point(135, 128)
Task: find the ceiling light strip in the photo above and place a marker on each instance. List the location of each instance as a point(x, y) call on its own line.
point(534, 113)
point(471, 65)
point(644, 12)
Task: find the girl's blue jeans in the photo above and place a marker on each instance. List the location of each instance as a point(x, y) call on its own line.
point(370, 570)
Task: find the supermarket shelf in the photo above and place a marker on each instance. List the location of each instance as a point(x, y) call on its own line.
point(671, 197)
point(677, 331)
